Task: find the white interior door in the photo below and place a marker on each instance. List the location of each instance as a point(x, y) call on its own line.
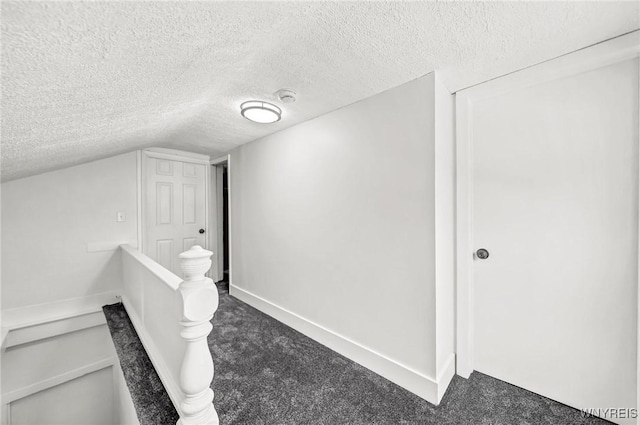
point(555, 202)
point(174, 209)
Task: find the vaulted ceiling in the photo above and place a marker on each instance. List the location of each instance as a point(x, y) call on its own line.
point(86, 80)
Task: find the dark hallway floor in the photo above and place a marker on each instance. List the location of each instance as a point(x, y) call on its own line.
point(267, 373)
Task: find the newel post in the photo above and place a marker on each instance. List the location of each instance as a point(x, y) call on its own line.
point(199, 302)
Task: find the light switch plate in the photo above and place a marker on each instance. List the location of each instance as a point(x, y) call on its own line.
point(120, 216)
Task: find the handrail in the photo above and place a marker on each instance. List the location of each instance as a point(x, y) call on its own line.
point(166, 276)
point(173, 319)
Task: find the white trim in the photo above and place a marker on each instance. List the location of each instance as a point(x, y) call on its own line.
point(220, 160)
point(217, 196)
point(219, 252)
point(172, 387)
point(5, 414)
point(638, 290)
point(139, 199)
point(3, 338)
point(220, 213)
point(207, 206)
point(171, 155)
point(606, 53)
point(166, 276)
point(176, 155)
point(25, 334)
point(212, 231)
point(47, 312)
point(464, 244)
point(596, 56)
point(446, 375)
point(57, 380)
point(103, 246)
point(230, 221)
point(418, 383)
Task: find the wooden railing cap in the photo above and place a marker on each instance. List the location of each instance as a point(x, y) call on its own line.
point(195, 262)
point(195, 251)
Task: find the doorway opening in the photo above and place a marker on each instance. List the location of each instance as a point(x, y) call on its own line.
point(222, 242)
point(225, 226)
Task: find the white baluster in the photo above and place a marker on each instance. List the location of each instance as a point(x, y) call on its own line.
point(199, 303)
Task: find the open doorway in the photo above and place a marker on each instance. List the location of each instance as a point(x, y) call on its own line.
point(220, 177)
point(225, 226)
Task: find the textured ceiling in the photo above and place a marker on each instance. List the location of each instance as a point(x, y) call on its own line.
point(86, 80)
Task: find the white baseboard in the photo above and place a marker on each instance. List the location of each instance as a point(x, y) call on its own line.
point(171, 386)
point(418, 383)
point(446, 375)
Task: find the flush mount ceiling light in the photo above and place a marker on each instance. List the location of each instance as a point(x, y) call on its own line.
point(261, 112)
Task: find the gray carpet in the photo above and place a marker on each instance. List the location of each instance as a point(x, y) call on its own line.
point(267, 373)
point(150, 399)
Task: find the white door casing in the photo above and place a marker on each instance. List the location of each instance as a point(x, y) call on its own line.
point(548, 182)
point(174, 204)
point(217, 195)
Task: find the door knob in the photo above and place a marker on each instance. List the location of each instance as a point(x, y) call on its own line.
point(482, 254)
point(201, 231)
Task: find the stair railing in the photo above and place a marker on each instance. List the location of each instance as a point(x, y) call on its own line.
point(199, 302)
point(173, 319)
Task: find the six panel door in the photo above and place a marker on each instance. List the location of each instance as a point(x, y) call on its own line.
point(174, 209)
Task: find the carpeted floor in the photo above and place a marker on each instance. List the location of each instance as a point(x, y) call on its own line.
point(267, 373)
point(150, 399)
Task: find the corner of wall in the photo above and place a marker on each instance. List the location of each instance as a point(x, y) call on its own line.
point(354, 149)
point(426, 387)
point(445, 375)
point(445, 190)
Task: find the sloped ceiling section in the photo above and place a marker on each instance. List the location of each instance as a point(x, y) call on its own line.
point(82, 81)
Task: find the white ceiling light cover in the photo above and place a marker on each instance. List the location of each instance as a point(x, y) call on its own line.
point(260, 112)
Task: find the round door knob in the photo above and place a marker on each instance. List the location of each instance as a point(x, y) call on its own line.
point(201, 231)
point(482, 254)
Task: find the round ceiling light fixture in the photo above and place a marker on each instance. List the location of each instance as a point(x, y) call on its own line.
point(260, 112)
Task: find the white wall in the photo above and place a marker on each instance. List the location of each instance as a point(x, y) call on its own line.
point(65, 377)
point(334, 231)
point(83, 401)
point(50, 221)
point(59, 262)
point(445, 234)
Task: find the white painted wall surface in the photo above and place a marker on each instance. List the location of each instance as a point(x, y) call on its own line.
point(51, 221)
point(445, 233)
point(333, 222)
point(150, 295)
point(87, 400)
point(48, 359)
point(124, 410)
point(67, 378)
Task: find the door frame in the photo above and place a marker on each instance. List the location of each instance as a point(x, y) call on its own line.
point(216, 192)
point(608, 52)
point(172, 155)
